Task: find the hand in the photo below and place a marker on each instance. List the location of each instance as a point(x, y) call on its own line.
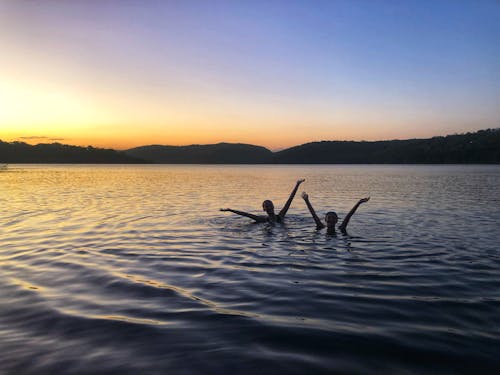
point(300, 181)
point(305, 196)
point(224, 209)
point(364, 200)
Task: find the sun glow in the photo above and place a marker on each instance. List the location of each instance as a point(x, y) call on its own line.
point(31, 107)
point(85, 73)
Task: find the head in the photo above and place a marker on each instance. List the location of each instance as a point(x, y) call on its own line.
point(268, 206)
point(331, 219)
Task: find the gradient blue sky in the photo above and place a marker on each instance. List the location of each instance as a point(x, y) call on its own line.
point(274, 73)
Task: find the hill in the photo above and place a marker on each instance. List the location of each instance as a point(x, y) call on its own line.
point(19, 152)
point(479, 147)
point(221, 153)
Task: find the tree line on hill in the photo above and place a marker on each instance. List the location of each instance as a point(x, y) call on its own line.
point(479, 147)
point(20, 152)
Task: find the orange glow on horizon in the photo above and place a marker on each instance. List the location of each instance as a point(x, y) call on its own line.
point(269, 140)
point(50, 107)
point(54, 109)
point(38, 112)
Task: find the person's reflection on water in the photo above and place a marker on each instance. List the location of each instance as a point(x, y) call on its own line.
point(268, 207)
point(331, 217)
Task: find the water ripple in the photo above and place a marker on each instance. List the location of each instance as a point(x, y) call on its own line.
point(132, 269)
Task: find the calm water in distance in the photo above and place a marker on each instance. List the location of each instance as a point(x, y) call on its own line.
point(132, 269)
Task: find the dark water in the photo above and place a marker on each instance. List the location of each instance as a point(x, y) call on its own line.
point(133, 270)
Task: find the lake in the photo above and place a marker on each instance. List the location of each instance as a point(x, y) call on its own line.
point(133, 269)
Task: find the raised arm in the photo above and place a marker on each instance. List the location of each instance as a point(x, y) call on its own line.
point(257, 218)
point(343, 226)
point(290, 199)
point(319, 224)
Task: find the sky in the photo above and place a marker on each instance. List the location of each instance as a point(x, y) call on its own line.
point(275, 73)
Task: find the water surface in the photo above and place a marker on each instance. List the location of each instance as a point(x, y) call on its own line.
point(132, 269)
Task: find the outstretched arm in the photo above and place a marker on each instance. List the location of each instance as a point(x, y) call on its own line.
point(246, 214)
point(343, 226)
point(319, 224)
point(290, 199)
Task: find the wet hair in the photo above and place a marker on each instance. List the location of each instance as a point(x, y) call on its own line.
point(332, 213)
point(266, 203)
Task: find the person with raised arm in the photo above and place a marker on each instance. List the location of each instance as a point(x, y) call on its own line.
point(331, 217)
point(268, 207)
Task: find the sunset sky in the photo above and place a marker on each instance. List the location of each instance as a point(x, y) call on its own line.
point(275, 73)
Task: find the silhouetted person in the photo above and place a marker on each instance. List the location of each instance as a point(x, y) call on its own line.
point(268, 207)
point(331, 217)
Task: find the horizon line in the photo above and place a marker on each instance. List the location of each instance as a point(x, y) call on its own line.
point(24, 138)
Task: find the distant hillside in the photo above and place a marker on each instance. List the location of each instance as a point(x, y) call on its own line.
point(221, 153)
point(480, 147)
point(19, 152)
